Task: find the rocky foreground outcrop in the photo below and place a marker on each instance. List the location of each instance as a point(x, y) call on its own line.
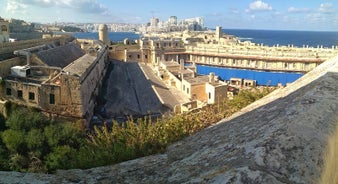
point(278, 139)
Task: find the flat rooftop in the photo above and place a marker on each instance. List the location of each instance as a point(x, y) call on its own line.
point(201, 79)
point(80, 65)
point(170, 63)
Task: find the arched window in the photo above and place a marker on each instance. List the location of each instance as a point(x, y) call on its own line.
point(4, 28)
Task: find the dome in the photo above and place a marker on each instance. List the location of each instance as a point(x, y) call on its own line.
point(103, 27)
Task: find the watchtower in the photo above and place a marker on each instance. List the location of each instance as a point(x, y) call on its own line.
point(103, 33)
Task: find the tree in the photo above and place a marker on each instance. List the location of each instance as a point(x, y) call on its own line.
point(36, 142)
point(14, 140)
point(2, 122)
point(26, 119)
point(62, 157)
point(64, 134)
point(3, 158)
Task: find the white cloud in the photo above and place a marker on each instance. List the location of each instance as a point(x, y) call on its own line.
point(326, 8)
point(298, 10)
point(216, 14)
point(13, 6)
point(83, 6)
point(234, 11)
point(259, 6)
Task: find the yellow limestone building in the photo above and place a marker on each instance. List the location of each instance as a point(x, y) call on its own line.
point(58, 78)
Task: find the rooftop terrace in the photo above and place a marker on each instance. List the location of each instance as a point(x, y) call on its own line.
point(80, 65)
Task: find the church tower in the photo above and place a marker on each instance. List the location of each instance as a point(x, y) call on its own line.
point(4, 31)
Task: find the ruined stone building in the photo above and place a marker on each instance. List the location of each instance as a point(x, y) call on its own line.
point(4, 30)
point(62, 79)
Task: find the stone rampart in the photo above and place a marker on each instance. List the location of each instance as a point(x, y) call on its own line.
point(279, 139)
point(5, 66)
point(10, 47)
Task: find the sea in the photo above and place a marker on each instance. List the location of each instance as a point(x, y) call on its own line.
point(266, 37)
point(296, 38)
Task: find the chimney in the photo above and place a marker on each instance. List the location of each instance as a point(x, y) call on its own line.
point(125, 54)
point(29, 58)
point(212, 78)
point(182, 64)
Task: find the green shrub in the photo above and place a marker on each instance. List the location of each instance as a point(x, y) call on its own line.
point(145, 137)
point(14, 140)
point(26, 119)
point(33, 143)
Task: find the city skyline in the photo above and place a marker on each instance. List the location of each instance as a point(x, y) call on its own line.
point(316, 15)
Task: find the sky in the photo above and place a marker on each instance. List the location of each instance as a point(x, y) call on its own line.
point(315, 15)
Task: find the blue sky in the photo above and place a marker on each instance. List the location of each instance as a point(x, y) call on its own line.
point(243, 14)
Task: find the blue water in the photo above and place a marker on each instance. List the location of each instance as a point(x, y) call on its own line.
point(262, 78)
point(113, 36)
point(297, 38)
point(272, 38)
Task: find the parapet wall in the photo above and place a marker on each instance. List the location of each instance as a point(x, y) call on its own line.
point(10, 47)
point(5, 66)
point(279, 139)
point(26, 36)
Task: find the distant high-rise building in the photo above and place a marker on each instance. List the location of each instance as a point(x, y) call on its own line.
point(172, 21)
point(219, 32)
point(173, 24)
point(154, 22)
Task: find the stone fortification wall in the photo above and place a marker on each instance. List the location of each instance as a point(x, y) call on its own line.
point(256, 57)
point(118, 52)
point(30, 92)
point(5, 66)
point(258, 50)
point(10, 47)
point(76, 88)
point(278, 139)
point(65, 92)
point(91, 82)
point(55, 104)
point(26, 36)
point(70, 96)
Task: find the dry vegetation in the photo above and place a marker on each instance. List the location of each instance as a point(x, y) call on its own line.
point(330, 169)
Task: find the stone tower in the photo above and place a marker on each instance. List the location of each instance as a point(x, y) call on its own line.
point(4, 31)
point(103, 34)
point(219, 33)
